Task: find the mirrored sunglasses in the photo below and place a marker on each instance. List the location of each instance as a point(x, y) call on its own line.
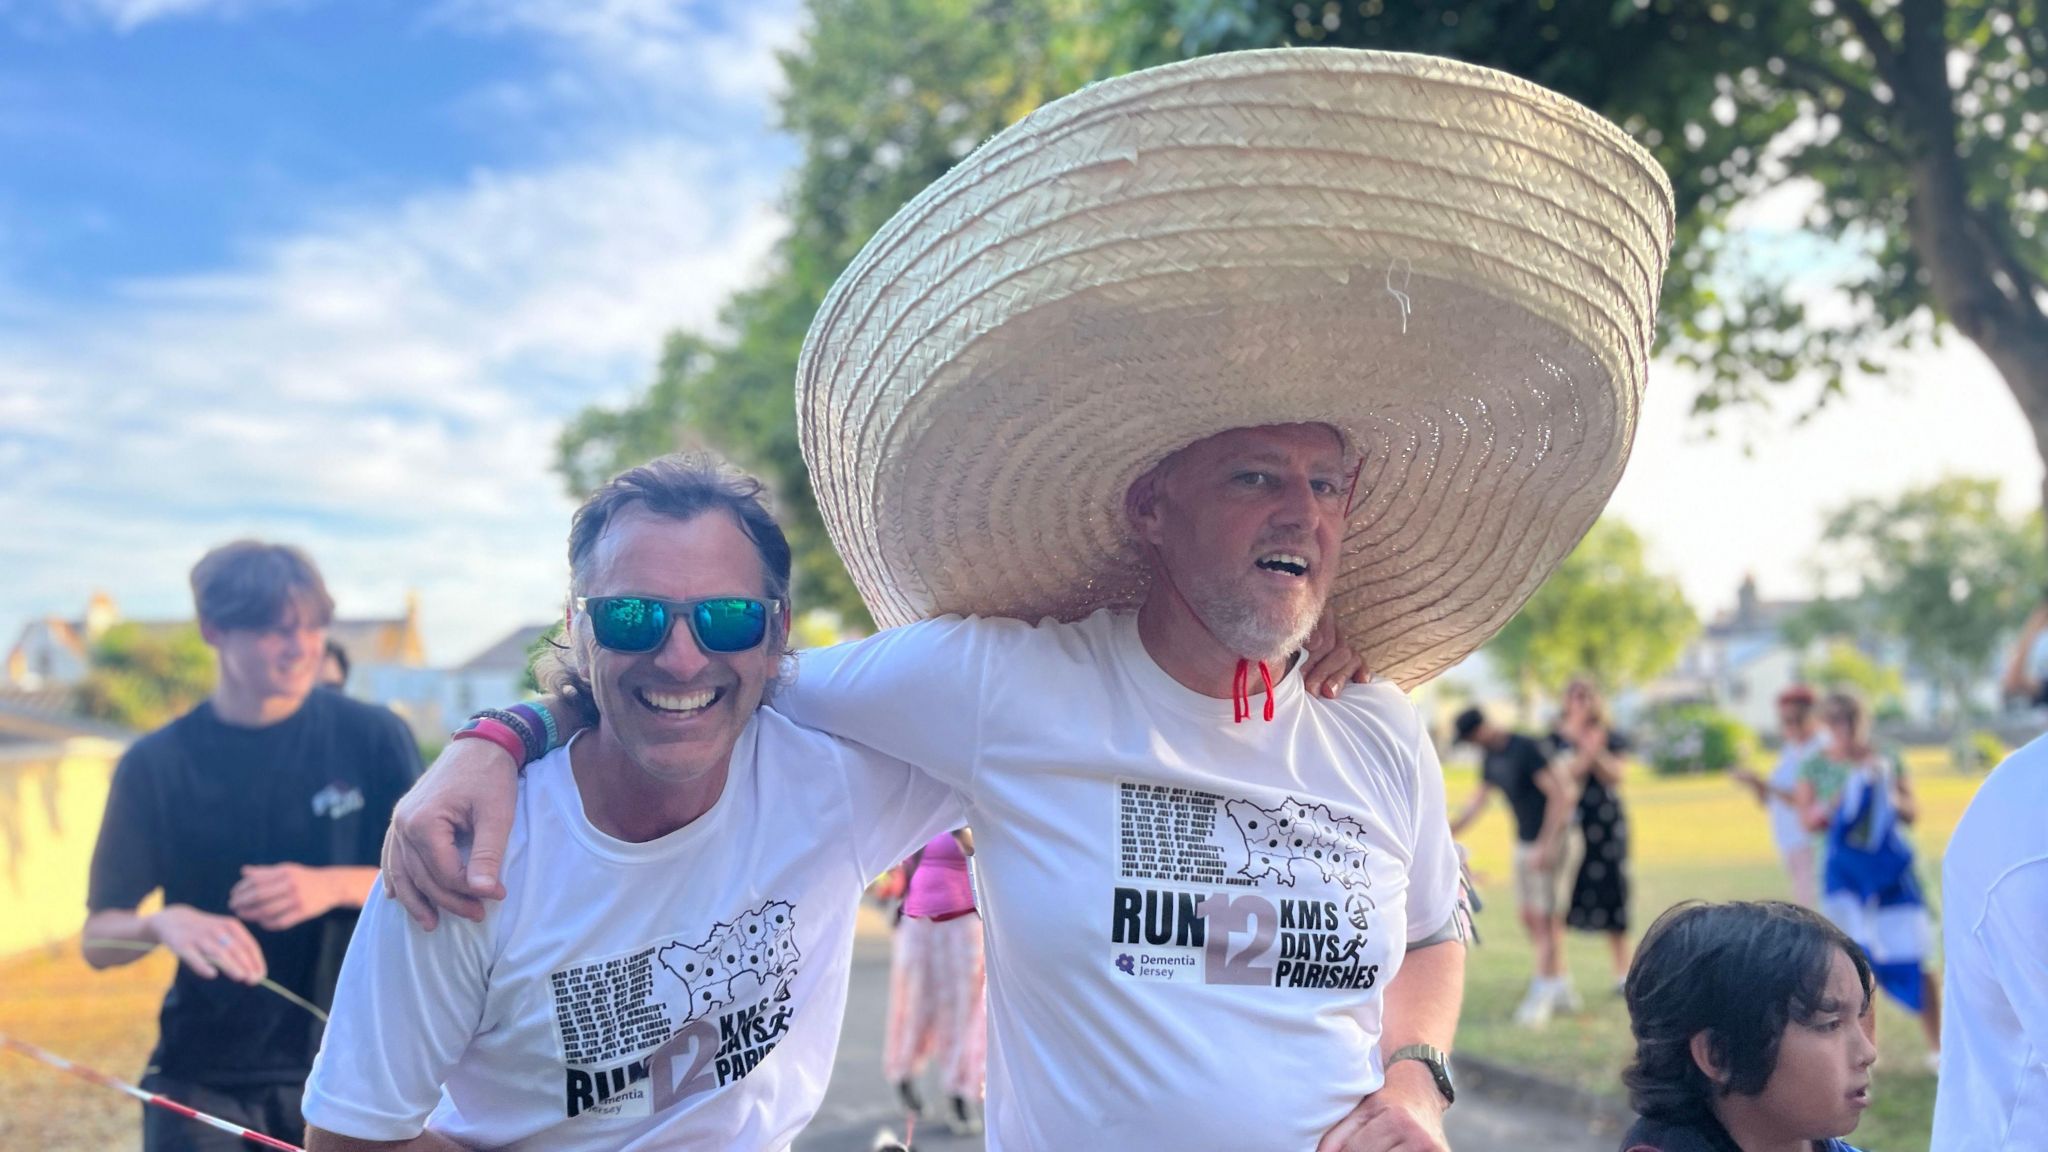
point(723, 624)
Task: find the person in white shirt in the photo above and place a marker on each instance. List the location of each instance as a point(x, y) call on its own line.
point(1993, 1092)
point(1800, 739)
point(1173, 368)
point(604, 1004)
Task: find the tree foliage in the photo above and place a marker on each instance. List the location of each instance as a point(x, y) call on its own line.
point(1941, 569)
point(1841, 666)
point(143, 678)
point(884, 96)
point(1604, 614)
point(1919, 128)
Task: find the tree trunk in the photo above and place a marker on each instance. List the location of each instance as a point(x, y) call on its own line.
point(1975, 273)
point(1958, 723)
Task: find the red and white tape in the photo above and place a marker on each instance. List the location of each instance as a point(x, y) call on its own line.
point(150, 1098)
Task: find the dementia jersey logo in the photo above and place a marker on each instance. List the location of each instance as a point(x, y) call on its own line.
point(647, 1030)
point(1219, 890)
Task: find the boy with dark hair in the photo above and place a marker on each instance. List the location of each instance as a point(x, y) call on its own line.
point(258, 814)
point(1753, 1031)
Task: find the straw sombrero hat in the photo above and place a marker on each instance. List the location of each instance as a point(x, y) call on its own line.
point(1456, 268)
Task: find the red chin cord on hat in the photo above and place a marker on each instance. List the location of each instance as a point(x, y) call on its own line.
point(1241, 694)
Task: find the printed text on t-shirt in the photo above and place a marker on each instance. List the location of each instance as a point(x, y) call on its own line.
point(646, 1030)
point(1276, 895)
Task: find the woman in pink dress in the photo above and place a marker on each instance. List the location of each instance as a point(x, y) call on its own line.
point(936, 1009)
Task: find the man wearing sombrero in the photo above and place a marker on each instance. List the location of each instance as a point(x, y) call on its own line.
point(1172, 367)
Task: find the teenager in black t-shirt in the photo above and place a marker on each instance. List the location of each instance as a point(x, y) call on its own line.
point(1543, 802)
point(259, 815)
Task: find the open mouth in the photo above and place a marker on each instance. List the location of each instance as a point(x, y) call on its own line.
point(1861, 1096)
point(1289, 563)
point(679, 703)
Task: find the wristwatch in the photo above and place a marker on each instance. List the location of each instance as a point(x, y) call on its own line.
point(1436, 1060)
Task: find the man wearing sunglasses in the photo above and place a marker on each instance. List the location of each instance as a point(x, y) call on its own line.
point(683, 876)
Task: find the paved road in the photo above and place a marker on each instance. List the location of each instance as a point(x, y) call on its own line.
point(860, 1104)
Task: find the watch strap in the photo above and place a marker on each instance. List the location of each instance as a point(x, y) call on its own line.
point(1435, 1059)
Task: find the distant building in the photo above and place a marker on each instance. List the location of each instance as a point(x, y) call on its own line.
point(387, 664)
point(53, 652)
point(56, 653)
point(492, 678)
point(1740, 661)
point(387, 657)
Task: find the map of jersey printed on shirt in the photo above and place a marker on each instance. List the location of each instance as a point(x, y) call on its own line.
point(1224, 890)
point(654, 1026)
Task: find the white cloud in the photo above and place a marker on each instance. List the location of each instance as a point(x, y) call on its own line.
point(658, 48)
point(384, 388)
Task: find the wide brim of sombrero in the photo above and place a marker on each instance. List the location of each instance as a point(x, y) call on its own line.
point(1456, 268)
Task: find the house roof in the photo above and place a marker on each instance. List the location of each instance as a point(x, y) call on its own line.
point(67, 633)
point(508, 653)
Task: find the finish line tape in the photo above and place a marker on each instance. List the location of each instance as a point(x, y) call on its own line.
point(152, 1099)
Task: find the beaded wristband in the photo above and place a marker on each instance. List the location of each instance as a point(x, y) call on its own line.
point(529, 734)
point(497, 733)
point(537, 718)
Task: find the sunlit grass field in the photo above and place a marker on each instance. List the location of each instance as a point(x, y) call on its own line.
point(103, 1019)
point(1693, 838)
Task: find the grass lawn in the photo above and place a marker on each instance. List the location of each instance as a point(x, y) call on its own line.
point(103, 1019)
point(1693, 838)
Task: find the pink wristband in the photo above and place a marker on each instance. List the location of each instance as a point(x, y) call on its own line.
point(497, 732)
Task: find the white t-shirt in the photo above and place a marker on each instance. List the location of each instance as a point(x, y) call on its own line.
point(1190, 922)
point(1993, 1091)
point(683, 993)
point(1786, 827)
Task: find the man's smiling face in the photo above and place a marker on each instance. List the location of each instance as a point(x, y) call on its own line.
point(677, 710)
point(1247, 526)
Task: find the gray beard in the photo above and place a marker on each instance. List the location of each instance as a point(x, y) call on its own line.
point(1237, 624)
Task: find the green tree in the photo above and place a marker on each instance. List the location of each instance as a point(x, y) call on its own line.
point(1603, 614)
point(1842, 666)
point(1944, 571)
point(1921, 127)
point(884, 96)
point(144, 679)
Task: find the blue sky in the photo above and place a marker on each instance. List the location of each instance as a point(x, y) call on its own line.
point(336, 272)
